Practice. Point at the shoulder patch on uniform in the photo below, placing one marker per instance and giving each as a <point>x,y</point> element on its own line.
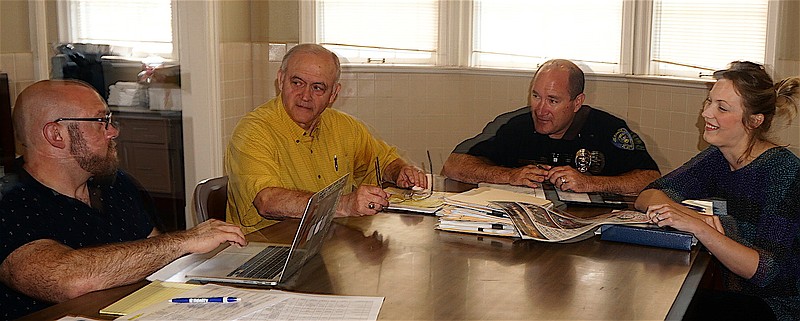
<point>625,139</point>
<point>628,140</point>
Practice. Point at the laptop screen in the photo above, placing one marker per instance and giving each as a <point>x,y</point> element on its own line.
<point>314,226</point>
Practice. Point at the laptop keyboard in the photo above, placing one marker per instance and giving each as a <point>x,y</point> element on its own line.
<point>267,264</point>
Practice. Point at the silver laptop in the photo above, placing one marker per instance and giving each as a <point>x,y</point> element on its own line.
<point>269,264</point>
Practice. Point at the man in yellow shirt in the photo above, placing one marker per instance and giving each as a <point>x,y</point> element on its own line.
<point>294,145</point>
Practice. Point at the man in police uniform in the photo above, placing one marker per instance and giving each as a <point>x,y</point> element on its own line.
<point>557,139</point>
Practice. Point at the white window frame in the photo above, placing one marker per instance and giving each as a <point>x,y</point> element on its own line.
<point>65,28</point>
<point>455,38</point>
<point>645,67</point>
<point>450,22</point>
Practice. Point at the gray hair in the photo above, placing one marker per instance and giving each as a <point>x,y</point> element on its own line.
<point>312,48</point>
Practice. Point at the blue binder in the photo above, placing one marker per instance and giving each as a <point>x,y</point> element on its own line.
<point>649,235</point>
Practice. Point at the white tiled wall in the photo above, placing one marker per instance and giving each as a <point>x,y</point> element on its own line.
<point>236,84</point>
<point>419,112</point>
<point>19,67</point>
<point>435,111</point>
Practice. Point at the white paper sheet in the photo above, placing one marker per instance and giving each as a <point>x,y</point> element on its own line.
<point>257,304</point>
<point>300,306</point>
<point>535,191</point>
<point>573,197</point>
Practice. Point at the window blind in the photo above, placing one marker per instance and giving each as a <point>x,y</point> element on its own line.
<point>692,37</point>
<point>379,31</point>
<point>143,25</point>
<point>522,33</point>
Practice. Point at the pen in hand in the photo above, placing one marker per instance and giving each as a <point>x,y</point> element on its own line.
<point>217,299</point>
<point>378,175</point>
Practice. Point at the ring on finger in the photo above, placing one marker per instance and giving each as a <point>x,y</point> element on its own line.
<point>563,180</point>
<point>371,205</point>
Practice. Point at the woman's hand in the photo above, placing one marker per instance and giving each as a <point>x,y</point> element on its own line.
<point>682,218</point>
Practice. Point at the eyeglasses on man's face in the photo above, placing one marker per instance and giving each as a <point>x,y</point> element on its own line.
<point>105,119</point>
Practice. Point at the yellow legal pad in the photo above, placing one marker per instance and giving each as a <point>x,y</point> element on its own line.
<point>154,292</point>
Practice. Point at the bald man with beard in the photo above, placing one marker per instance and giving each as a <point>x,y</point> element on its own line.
<point>64,231</point>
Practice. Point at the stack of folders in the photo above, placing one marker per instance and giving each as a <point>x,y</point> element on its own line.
<point>648,234</point>
<point>652,235</point>
<point>467,220</point>
<point>473,212</point>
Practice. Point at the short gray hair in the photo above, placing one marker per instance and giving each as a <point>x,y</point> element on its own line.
<point>312,48</point>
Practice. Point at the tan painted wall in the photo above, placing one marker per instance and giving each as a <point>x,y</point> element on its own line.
<point>442,109</point>
<point>15,36</point>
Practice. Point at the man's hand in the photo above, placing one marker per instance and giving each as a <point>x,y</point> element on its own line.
<point>567,178</point>
<point>366,200</point>
<point>208,235</point>
<point>410,176</point>
<point>529,175</point>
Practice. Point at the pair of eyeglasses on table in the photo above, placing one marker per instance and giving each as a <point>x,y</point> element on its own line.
<point>408,195</point>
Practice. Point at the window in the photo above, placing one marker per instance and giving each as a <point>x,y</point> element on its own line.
<point>142,27</point>
<point>731,30</point>
<point>648,37</point>
<point>522,34</point>
<point>379,31</point>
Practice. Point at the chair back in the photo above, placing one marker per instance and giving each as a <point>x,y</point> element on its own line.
<point>211,198</point>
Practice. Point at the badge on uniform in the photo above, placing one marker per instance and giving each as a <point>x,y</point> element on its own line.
<point>627,140</point>
<point>589,161</point>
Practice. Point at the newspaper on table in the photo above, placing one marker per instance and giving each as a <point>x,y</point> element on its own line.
<point>546,224</point>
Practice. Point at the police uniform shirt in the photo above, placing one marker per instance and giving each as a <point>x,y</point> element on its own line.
<point>511,140</point>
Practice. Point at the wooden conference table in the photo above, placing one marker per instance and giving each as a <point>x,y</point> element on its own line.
<point>426,274</point>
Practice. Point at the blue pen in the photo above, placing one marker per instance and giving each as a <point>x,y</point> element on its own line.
<point>217,299</point>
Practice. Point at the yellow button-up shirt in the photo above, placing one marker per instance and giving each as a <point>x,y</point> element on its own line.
<point>268,149</point>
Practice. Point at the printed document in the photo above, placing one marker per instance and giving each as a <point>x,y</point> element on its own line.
<point>258,304</point>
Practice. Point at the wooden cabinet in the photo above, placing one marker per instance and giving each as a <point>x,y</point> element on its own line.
<point>150,148</point>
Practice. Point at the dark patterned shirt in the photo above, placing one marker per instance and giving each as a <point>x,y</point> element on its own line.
<point>511,140</point>
<point>30,211</point>
<point>763,213</point>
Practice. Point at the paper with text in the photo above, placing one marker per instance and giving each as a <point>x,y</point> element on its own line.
<point>258,304</point>
<point>300,306</point>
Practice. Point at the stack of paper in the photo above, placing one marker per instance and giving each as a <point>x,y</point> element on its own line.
<point>481,198</point>
<point>473,211</point>
<point>466,220</point>
<point>702,207</point>
<point>127,94</point>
